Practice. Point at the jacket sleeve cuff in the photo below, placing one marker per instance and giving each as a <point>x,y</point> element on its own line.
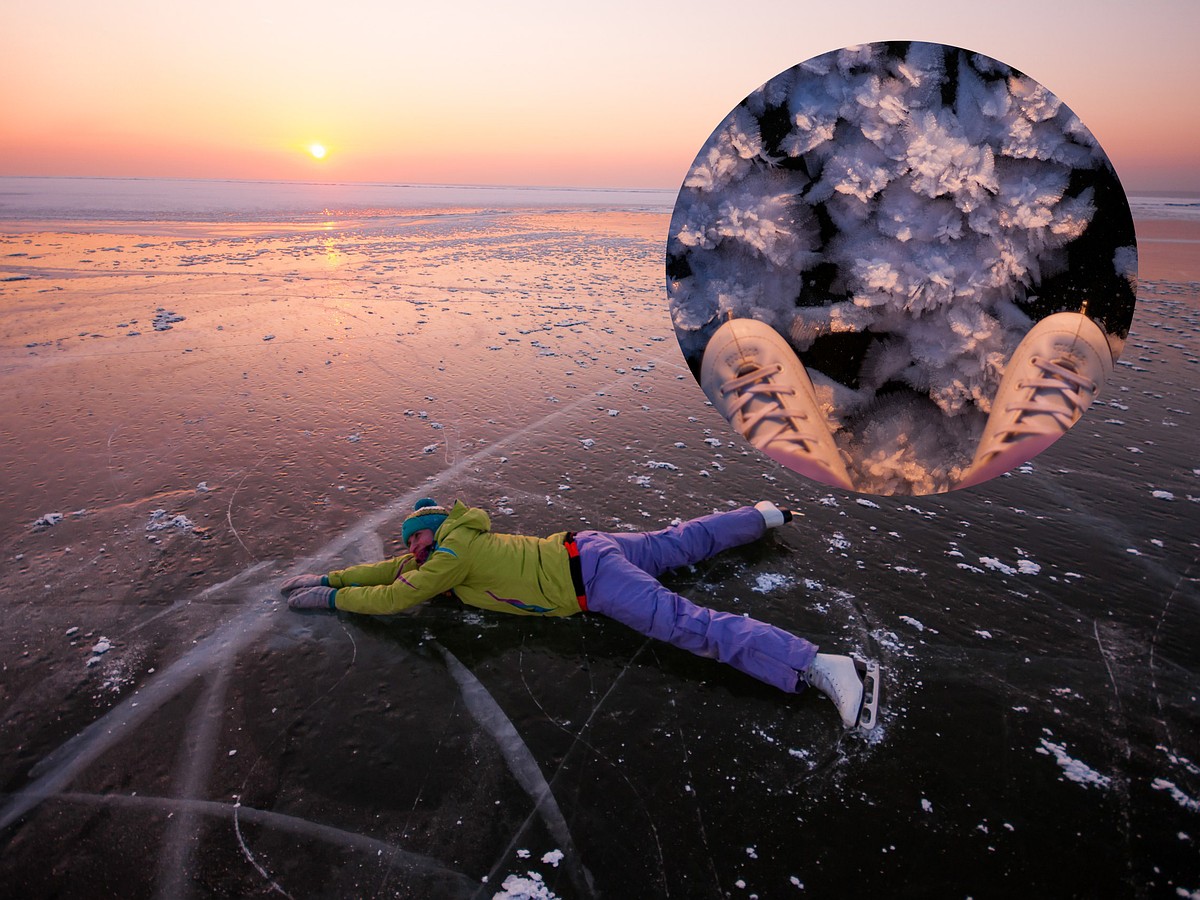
<point>325,581</point>
<point>333,599</point>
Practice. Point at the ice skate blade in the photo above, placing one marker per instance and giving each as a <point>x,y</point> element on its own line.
<point>868,712</point>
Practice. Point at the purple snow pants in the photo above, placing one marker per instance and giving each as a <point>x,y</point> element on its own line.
<point>620,577</point>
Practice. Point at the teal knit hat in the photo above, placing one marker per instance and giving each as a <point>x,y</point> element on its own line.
<point>426,514</point>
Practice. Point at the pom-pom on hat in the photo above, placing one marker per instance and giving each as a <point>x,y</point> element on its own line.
<point>426,514</point>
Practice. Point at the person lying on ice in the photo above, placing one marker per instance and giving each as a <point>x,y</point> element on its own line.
<point>611,574</point>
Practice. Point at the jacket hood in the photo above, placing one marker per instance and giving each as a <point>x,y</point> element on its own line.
<point>462,516</point>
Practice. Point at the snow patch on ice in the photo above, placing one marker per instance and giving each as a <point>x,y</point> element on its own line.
<point>889,640</point>
<point>837,541</point>
<point>1073,769</point>
<point>530,886</point>
<point>767,582</point>
<point>1188,803</point>
<point>1023,567</point>
<point>995,564</point>
<point>917,624</point>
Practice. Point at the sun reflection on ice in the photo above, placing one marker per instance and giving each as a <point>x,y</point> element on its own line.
<point>333,254</point>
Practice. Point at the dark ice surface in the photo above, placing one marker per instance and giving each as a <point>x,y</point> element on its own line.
<point>169,728</point>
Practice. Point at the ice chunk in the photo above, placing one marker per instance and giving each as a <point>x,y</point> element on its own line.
<point>164,319</point>
<point>160,520</point>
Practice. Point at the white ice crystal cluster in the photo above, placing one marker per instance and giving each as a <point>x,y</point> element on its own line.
<point>932,182</point>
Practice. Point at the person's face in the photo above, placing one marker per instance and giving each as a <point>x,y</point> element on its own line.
<point>419,545</point>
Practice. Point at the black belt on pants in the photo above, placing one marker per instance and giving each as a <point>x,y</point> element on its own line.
<point>576,569</point>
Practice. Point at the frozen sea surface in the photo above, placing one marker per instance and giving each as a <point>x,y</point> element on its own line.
<point>190,200</point>
<point>169,728</point>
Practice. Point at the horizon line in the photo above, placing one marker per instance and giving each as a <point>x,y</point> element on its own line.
<point>446,184</point>
<point>1133,191</point>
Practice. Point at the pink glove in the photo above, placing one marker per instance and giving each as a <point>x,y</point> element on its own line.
<point>301,581</point>
<point>313,598</point>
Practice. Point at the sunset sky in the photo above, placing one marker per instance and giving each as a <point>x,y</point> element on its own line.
<point>614,94</point>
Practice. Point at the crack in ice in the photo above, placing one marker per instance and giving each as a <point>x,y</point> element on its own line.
<point>521,762</point>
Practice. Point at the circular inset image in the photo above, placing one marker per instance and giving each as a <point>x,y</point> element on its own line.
<point>901,268</point>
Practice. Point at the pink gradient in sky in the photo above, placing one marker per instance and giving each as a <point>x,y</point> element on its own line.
<point>619,94</point>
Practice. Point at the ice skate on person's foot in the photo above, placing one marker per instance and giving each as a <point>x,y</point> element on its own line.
<point>1054,375</point>
<point>756,381</point>
<point>852,685</point>
<point>774,515</point>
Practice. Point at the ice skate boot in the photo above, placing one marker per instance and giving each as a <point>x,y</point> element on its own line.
<point>852,685</point>
<point>1054,375</point>
<point>774,515</point>
<point>756,381</point>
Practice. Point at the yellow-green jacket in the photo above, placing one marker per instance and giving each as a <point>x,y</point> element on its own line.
<point>505,572</point>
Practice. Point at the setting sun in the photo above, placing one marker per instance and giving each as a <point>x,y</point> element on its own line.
<point>317,150</point>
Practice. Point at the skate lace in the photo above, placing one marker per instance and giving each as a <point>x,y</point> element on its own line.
<point>818,679</point>
<point>755,384</point>
<point>1038,414</point>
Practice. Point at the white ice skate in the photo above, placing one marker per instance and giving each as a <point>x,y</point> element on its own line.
<point>756,381</point>
<point>774,515</point>
<point>852,685</point>
<point>1053,377</point>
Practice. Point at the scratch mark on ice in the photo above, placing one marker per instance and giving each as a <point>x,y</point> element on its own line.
<point>198,752</point>
<point>579,740</point>
<point>229,514</point>
<point>487,712</point>
<point>237,829</point>
<point>362,843</point>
